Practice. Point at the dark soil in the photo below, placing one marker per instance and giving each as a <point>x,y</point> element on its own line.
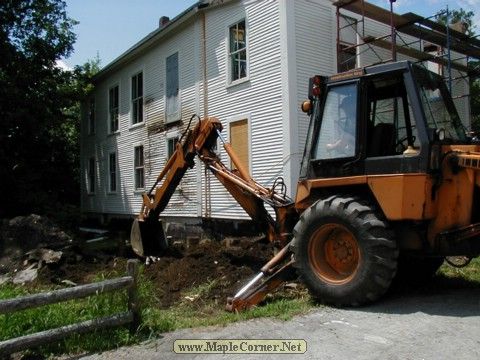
<point>226,265</point>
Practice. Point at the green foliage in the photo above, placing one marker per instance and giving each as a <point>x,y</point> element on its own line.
<point>39,111</point>
<point>475,103</point>
<point>445,17</point>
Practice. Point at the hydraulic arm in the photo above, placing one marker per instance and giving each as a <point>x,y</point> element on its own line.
<point>148,238</point>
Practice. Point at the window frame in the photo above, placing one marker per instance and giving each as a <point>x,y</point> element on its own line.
<point>329,145</point>
<point>172,114</point>
<point>170,143</point>
<point>91,175</point>
<point>231,80</point>
<point>136,99</point>
<point>350,63</point>
<point>237,119</point>
<point>348,45</point>
<point>139,168</point>
<point>112,173</point>
<point>114,109</point>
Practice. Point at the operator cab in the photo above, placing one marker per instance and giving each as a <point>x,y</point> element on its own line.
<point>362,118</point>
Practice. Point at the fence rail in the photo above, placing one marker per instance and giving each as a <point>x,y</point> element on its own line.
<point>132,316</point>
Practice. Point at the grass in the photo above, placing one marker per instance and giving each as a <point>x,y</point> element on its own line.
<point>465,276</point>
<point>193,311</point>
<point>62,314</point>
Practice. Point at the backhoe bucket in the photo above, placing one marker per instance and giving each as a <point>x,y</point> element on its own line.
<point>148,238</point>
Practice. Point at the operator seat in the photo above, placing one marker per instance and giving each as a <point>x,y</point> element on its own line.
<point>383,140</point>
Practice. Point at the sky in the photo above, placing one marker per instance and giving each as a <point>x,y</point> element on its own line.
<point>107,28</point>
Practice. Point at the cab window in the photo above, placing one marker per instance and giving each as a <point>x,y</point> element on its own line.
<point>391,128</point>
<point>337,132</point>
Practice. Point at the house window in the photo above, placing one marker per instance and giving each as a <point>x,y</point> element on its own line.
<point>137,98</point>
<point>239,141</point>
<point>238,51</point>
<point>112,166</point>
<point>347,47</point>
<point>139,168</point>
<point>172,105</point>
<point>171,146</point>
<point>113,108</point>
<point>347,58</point>
<point>91,176</point>
<point>91,116</point>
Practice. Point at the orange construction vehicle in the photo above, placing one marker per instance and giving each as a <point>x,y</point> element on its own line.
<point>389,186</point>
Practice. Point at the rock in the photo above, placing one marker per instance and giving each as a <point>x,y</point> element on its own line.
<point>24,233</point>
<point>5,279</point>
<point>47,256</point>
<point>27,275</point>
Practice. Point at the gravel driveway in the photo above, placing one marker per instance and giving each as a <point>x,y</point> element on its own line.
<point>444,324</point>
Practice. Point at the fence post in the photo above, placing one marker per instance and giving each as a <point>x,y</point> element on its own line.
<point>132,270</point>
<point>132,317</point>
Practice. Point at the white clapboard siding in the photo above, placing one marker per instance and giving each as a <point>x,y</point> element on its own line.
<point>258,99</point>
<point>288,42</point>
<point>315,51</point>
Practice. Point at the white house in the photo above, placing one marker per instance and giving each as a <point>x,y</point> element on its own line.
<point>245,62</point>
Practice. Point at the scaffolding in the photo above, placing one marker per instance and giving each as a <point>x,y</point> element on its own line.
<point>425,30</point>
<point>419,38</point>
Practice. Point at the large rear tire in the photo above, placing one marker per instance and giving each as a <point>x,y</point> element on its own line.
<point>344,252</point>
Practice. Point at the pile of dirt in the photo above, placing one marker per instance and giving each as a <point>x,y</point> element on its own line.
<point>58,259</point>
<point>224,266</point>
<point>25,233</point>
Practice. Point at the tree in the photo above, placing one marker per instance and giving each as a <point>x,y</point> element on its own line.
<point>456,16</point>
<point>34,94</point>
<point>475,99</point>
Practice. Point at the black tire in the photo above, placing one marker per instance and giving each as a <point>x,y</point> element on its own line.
<point>344,252</point>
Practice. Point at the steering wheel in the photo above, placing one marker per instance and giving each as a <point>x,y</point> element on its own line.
<point>400,143</point>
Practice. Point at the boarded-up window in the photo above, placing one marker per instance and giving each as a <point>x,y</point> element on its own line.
<point>172,106</point>
<point>239,141</point>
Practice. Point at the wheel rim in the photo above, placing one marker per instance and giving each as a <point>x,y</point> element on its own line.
<point>334,254</point>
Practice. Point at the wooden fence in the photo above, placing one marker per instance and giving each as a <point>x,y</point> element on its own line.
<point>131,317</point>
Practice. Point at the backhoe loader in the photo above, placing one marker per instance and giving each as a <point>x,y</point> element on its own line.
<point>388,186</point>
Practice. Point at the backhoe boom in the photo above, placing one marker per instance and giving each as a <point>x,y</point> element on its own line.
<point>148,238</point>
